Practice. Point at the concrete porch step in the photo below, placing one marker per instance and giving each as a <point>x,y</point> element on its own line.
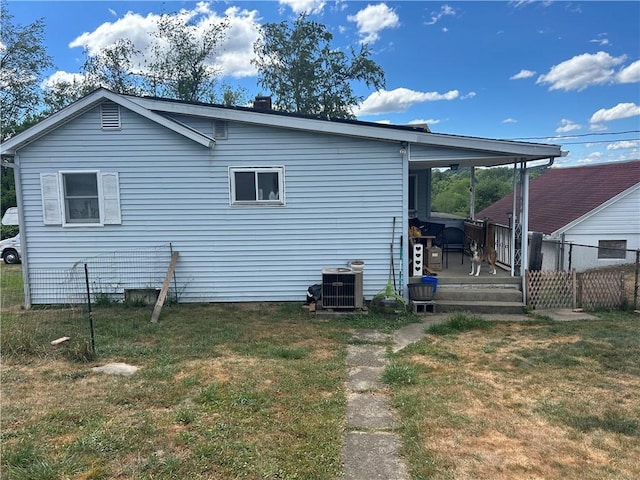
<point>475,294</point>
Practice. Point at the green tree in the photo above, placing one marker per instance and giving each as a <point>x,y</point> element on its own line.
<point>110,68</point>
<point>113,68</point>
<point>23,61</point>
<point>182,56</point>
<point>306,75</point>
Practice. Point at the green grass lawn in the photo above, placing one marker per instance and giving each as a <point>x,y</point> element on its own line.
<point>223,391</point>
<point>258,392</point>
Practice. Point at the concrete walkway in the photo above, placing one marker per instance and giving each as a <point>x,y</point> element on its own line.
<point>370,444</point>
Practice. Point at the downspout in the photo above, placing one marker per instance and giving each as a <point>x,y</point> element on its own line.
<point>15,166</point>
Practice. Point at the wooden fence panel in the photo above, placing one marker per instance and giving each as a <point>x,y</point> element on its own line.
<point>549,289</point>
<point>588,290</point>
<point>601,290</point>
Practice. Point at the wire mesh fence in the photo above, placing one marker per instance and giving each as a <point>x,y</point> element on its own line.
<point>61,300</point>
<point>110,277</point>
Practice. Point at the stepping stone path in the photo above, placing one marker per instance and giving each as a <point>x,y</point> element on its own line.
<point>370,445</point>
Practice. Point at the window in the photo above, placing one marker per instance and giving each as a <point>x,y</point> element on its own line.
<point>612,249</point>
<point>413,192</point>
<point>257,186</point>
<point>80,198</point>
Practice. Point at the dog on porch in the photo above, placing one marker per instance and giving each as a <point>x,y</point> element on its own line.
<point>481,254</point>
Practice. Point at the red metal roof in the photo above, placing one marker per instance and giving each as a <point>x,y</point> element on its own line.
<point>562,195</point>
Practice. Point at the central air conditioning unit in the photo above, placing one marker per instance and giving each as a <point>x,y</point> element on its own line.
<point>342,288</point>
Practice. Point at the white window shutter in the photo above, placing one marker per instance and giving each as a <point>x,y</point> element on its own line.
<point>111,198</point>
<point>51,207</point>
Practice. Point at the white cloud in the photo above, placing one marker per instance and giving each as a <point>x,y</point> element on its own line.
<point>509,120</point>
<point>598,127</point>
<point>235,51</point>
<point>420,121</point>
<point>468,95</point>
<point>594,157</point>
<point>372,19</point>
<point>62,77</point>
<point>522,74</point>
<point>623,145</point>
<point>305,6</point>
<point>445,11</point>
<point>629,74</point>
<point>582,71</point>
<point>601,40</point>
<point>622,110</point>
<point>399,100</point>
<point>568,126</point>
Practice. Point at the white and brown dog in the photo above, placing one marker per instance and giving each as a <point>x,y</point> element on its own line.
<point>479,255</point>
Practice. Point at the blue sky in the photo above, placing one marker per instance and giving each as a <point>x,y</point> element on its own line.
<point>548,71</point>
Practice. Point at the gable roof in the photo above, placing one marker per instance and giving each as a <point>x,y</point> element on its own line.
<point>462,150</point>
<point>88,102</point>
<point>561,196</point>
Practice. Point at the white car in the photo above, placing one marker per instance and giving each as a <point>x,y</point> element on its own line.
<point>10,250</point>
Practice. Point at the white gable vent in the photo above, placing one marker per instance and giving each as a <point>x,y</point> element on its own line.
<point>220,130</point>
<point>110,116</point>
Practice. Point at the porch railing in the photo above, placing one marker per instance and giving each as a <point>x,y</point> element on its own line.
<point>502,242</point>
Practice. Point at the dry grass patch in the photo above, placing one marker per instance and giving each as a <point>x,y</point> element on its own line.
<point>222,392</point>
<point>539,401</point>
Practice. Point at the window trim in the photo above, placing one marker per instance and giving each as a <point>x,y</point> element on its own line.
<point>280,170</point>
<point>63,199</point>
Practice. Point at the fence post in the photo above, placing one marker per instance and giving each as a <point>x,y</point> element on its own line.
<point>86,277</point>
<point>574,300</point>
<point>635,285</point>
<point>570,254</point>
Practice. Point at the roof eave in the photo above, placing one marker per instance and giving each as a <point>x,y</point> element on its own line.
<point>516,151</point>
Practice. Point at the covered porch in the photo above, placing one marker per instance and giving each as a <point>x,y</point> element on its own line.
<point>453,233</point>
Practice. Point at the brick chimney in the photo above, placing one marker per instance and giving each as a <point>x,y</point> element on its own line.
<point>262,103</point>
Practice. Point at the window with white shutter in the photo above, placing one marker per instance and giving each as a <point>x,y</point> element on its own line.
<point>82,198</point>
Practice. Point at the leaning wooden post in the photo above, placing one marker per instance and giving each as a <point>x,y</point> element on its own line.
<point>165,288</point>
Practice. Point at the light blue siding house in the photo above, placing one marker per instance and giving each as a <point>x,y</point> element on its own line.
<point>256,202</point>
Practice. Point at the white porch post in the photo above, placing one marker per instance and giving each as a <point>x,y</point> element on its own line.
<point>525,227</point>
<point>514,219</point>
<point>472,201</point>
<point>405,152</point>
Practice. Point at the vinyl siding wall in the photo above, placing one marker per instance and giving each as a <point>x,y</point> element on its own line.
<point>617,221</point>
<point>341,196</point>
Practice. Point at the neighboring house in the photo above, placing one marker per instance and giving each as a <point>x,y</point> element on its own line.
<point>256,202</point>
<point>594,206</point>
